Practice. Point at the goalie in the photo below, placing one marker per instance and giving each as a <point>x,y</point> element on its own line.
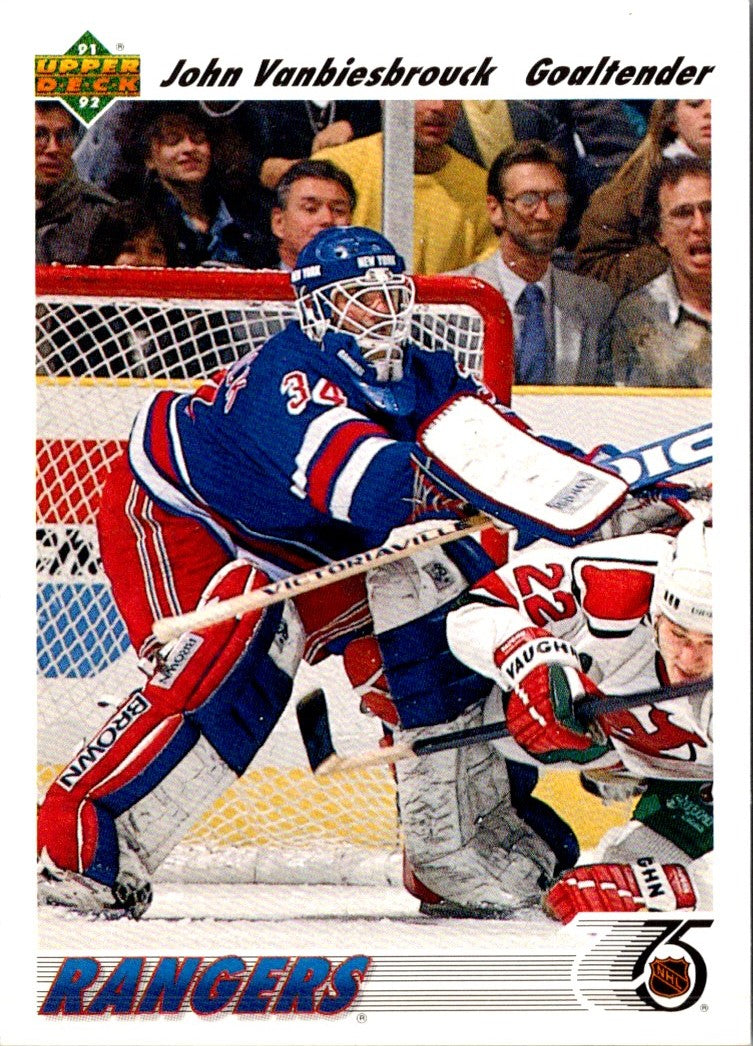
<point>302,453</point>
<point>624,614</point>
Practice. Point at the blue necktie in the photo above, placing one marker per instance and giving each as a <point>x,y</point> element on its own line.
<point>531,357</point>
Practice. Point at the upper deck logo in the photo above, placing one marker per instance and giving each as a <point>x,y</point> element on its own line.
<point>87,77</point>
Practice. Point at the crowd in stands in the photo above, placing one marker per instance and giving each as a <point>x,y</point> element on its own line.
<point>592,218</point>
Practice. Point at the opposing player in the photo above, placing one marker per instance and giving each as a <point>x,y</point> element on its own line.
<point>303,452</point>
<point>623,616</point>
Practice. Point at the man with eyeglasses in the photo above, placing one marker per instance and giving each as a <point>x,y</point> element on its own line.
<point>662,331</point>
<point>561,321</point>
<point>69,209</point>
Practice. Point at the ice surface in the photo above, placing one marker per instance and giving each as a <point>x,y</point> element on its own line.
<point>217,919</point>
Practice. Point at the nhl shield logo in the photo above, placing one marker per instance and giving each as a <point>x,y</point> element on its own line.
<point>669,977</point>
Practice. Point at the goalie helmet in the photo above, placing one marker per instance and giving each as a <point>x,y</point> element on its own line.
<point>352,280</point>
<point>682,589</point>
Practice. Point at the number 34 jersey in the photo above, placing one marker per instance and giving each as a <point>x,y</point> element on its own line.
<point>597,597</point>
<point>289,456</point>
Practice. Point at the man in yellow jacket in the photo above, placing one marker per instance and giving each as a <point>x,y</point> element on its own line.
<point>451,228</point>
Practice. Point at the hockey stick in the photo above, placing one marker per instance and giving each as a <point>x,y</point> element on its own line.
<point>646,465</point>
<point>663,458</point>
<point>295,584</point>
<point>313,721</point>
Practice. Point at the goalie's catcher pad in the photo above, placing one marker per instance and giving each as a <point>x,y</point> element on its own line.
<point>474,453</point>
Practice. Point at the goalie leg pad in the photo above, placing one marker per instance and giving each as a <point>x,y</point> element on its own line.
<point>150,829</point>
<point>407,589</point>
<point>227,687</point>
<point>128,896</point>
<point>409,602</point>
<point>463,838</point>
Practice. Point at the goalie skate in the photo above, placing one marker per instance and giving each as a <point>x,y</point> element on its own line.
<point>130,896</point>
<point>452,910</point>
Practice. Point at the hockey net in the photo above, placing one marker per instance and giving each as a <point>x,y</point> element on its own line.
<point>105,339</point>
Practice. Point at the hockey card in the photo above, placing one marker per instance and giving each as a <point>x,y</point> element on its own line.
<point>282,346</point>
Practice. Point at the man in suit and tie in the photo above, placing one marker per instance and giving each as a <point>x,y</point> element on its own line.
<point>561,320</point>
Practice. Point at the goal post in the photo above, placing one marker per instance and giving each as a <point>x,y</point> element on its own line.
<point>105,339</point>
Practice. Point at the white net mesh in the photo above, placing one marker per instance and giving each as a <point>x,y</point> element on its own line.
<point>134,338</point>
<point>98,356</point>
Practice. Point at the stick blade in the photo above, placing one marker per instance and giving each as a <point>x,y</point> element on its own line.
<point>313,722</point>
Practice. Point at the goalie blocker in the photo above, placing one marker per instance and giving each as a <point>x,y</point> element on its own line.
<point>474,452</point>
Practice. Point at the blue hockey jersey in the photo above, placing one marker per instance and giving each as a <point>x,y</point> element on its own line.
<point>289,457</point>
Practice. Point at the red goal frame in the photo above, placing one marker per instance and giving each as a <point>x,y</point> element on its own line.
<point>260,285</point>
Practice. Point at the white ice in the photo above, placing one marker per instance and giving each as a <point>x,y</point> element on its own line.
<point>217,919</point>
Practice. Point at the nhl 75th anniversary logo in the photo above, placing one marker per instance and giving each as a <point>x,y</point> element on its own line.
<point>638,963</point>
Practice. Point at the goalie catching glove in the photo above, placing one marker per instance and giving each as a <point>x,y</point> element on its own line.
<point>643,886</point>
<point>544,680</point>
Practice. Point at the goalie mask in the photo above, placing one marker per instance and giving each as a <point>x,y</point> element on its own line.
<point>351,280</point>
<point>682,589</point>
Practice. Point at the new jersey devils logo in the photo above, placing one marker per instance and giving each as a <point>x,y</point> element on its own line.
<point>661,737</point>
<point>669,977</point>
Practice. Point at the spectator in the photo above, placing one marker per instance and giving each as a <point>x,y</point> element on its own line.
<point>291,131</point>
<point>561,321</point>
<point>68,208</point>
<point>128,235</point>
<point>194,220</point>
<point>105,340</point>
<point>112,152</point>
<point>613,245</point>
<point>692,126</point>
<point>245,137</point>
<point>663,330</point>
<point>595,136</point>
<point>450,225</point>
<point>312,195</point>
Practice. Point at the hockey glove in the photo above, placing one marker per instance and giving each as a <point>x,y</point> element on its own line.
<point>546,682</point>
<point>661,506</point>
<point>644,886</point>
